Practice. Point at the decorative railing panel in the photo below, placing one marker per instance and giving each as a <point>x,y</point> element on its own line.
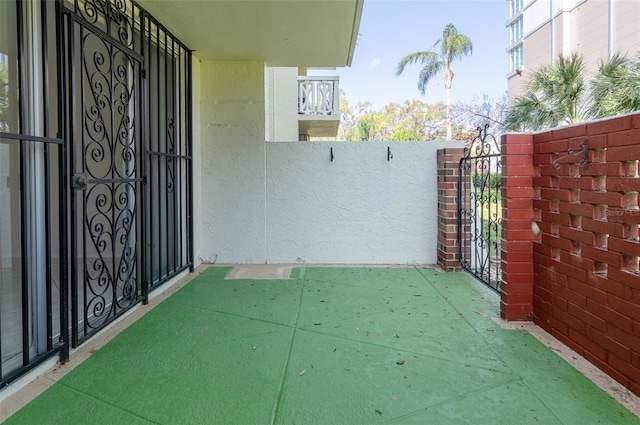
<point>318,96</point>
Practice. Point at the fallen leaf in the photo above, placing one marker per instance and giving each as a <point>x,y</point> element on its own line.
<point>302,372</point>
<point>479,313</point>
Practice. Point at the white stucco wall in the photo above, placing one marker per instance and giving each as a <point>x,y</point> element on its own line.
<point>286,202</point>
<point>281,104</point>
<point>233,162</point>
<point>359,209</point>
<point>197,159</point>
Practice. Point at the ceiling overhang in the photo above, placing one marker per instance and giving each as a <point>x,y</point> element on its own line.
<point>311,33</point>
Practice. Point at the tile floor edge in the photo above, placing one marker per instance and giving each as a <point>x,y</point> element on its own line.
<point>612,387</point>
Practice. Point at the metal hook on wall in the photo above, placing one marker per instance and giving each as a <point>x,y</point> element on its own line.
<point>389,154</point>
<point>331,151</point>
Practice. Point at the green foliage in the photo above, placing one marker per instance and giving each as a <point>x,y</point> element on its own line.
<point>616,89</point>
<point>404,135</point>
<point>453,45</point>
<point>563,94</point>
<point>364,129</point>
<point>556,94</point>
<point>483,181</point>
<point>414,120</point>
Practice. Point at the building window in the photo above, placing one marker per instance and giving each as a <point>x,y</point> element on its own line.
<point>515,7</point>
<point>515,31</point>
<point>515,58</point>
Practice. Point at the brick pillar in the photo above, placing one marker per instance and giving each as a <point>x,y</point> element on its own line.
<point>516,298</point>
<point>448,171</point>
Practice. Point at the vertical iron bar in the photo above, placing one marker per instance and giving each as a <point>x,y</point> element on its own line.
<point>190,154</point>
<point>175,159</point>
<point>159,137</point>
<point>180,120</point>
<point>72,133</point>
<point>113,174</point>
<point>150,186</point>
<point>167,159</point>
<point>144,148</point>
<point>24,190</point>
<point>83,161</point>
<point>62,185</point>
<point>47,171</point>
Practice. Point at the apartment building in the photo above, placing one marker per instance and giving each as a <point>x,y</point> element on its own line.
<point>540,30</point>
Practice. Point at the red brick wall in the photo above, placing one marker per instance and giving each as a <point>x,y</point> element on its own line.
<point>516,297</point>
<point>586,285</point>
<point>448,171</point>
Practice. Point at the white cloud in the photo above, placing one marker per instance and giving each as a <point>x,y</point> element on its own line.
<point>375,62</point>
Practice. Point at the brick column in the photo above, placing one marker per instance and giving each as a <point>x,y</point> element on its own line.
<point>448,171</point>
<point>516,298</point>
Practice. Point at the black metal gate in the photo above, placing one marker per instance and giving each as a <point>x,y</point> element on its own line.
<point>95,170</point>
<point>104,72</point>
<point>480,209</point>
<point>128,121</point>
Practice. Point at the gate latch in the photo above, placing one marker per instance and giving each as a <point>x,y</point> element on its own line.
<point>79,181</point>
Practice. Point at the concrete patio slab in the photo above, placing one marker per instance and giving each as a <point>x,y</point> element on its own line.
<point>327,346</point>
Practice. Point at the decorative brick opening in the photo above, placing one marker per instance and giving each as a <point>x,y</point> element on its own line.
<point>576,273</point>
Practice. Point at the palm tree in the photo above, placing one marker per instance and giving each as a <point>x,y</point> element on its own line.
<point>616,88</point>
<point>453,45</point>
<point>556,94</point>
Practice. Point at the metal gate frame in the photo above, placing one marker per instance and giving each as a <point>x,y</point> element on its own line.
<point>141,152</point>
<point>167,196</point>
<point>480,209</point>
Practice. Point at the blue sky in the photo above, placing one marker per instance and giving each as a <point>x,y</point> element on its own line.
<point>390,29</point>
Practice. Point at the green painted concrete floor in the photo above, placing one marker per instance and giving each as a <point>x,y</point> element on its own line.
<point>328,346</point>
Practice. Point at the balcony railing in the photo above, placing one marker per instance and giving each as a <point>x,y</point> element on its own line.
<point>318,96</point>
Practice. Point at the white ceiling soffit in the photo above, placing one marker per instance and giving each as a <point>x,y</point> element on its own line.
<point>312,33</point>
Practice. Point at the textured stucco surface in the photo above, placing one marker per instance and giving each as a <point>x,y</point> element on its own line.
<point>232,154</point>
<point>286,202</point>
<point>197,159</point>
<point>281,104</point>
<point>360,208</point>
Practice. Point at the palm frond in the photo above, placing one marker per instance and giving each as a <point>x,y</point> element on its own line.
<point>416,57</point>
<point>427,73</point>
<point>616,87</point>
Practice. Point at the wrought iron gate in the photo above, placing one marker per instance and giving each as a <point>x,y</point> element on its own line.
<point>128,122</point>
<point>95,170</point>
<point>104,72</point>
<point>480,209</point>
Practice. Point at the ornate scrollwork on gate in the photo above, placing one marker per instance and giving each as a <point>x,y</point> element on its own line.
<point>114,17</point>
<point>480,208</point>
<point>110,163</point>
